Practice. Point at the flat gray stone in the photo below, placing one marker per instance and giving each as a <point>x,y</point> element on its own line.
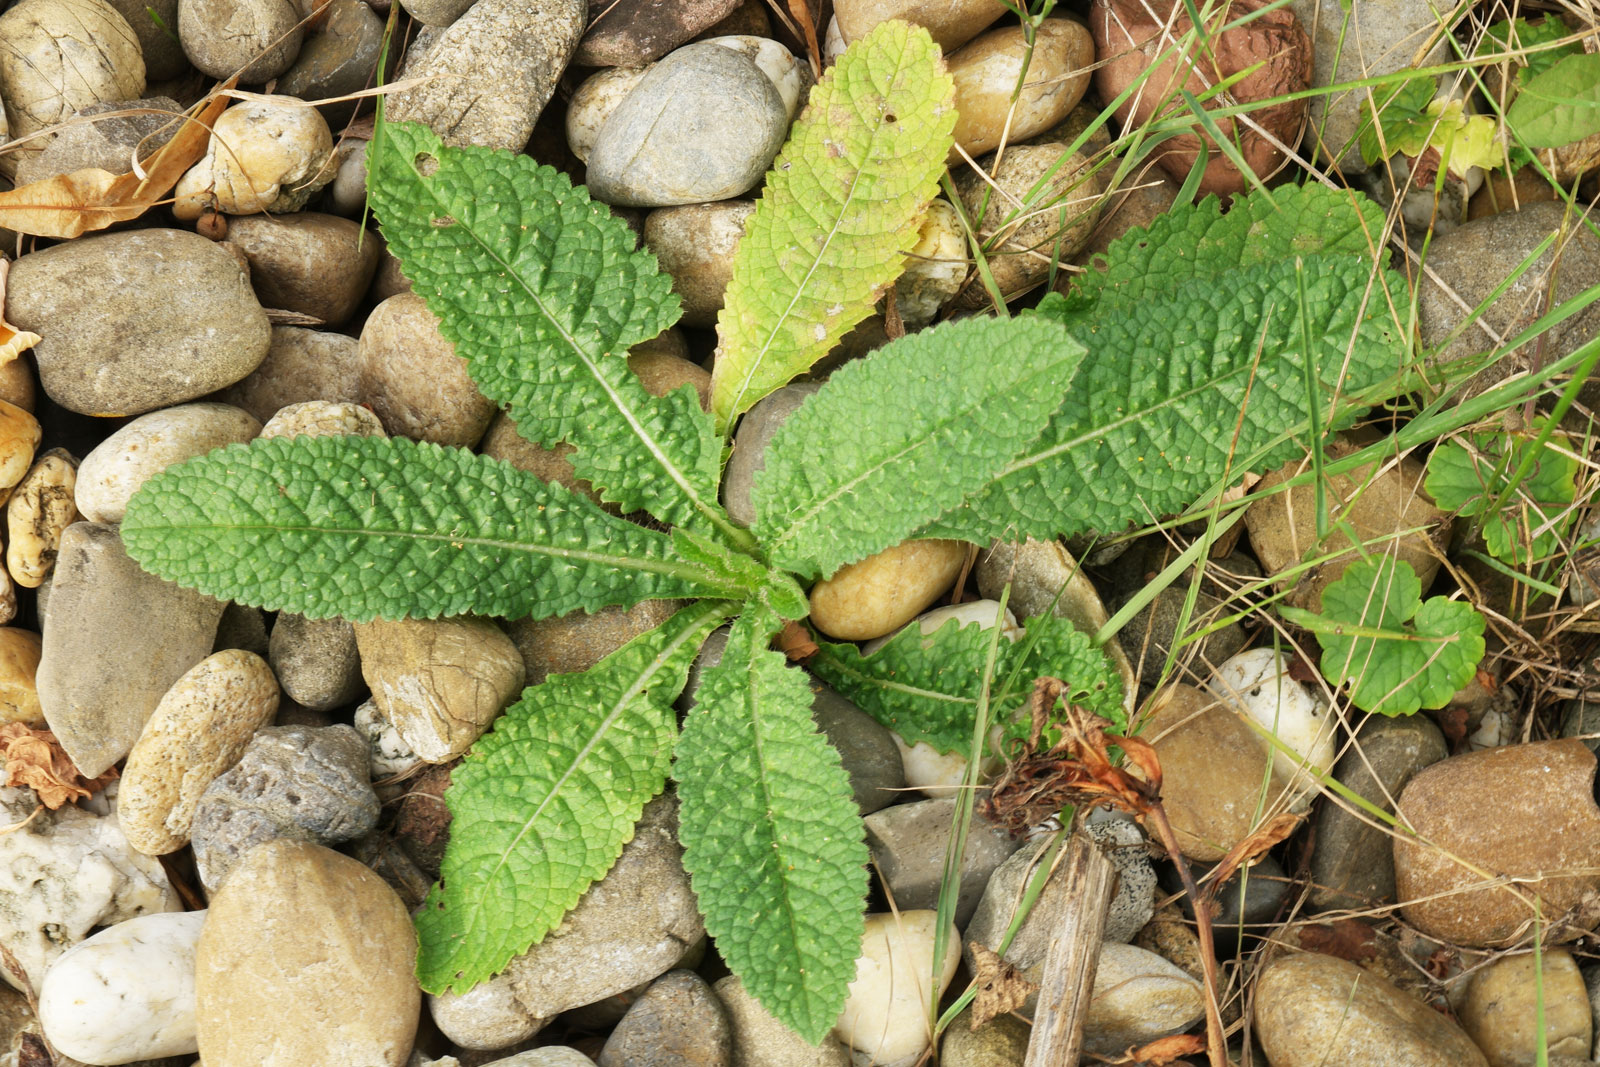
<point>679,1022</point>
<point>704,124</point>
<point>316,661</point>
<point>1352,865</point>
<point>115,640</point>
<point>750,446</point>
<point>138,320</point>
<point>908,844</point>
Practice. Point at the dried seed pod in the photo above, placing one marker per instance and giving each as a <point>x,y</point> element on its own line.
<point>39,510</point>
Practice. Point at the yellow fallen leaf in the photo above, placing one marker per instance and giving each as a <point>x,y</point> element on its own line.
<point>13,342</point>
<point>70,205</point>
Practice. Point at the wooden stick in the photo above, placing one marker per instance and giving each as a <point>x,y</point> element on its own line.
<point>1072,956</point>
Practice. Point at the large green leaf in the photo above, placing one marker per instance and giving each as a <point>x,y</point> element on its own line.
<point>1560,105</point>
<point>361,527</point>
<point>1398,653</point>
<point>542,805</point>
<point>771,836</point>
<point>542,292</point>
<point>1196,377</point>
<point>840,210</point>
<point>893,441</point>
<point>925,687</point>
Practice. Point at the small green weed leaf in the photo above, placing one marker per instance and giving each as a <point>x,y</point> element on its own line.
<point>925,687</point>
<point>542,292</point>
<point>840,210</point>
<point>1559,106</point>
<point>361,527</point>
<point>893,441</point>
<point>1476,482</point>
<point>1532,44</point>
<point>542,805</point>
<point>1397,653</point>
<point>771,836</point>
<point>1194,382</point>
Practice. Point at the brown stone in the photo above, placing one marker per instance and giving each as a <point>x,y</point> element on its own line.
<point>629,33</point>
<point>314,264</point>
<point>571,643</point>
<point>952,23</point>
<point>306,957</point>
<point>1524,812</point>
<point>1212,767</point>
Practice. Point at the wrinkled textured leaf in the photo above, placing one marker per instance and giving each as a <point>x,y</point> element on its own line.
<point>542,805</point>
<point>929,421</point>
<point>771,836</point>
<point>360,527</point>
<point>1183,350</point>
<point>840,210</point>
<point>1412,655</point>
<point>1470,481</point>
<point>542,292</point>
<point>925,687</point>
<point>1559,106</point>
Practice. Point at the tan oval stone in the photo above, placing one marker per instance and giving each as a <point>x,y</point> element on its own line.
<point>1501,1003</point>
<point>1212,768</point>
<point>1030,230</point>
<point>197,732</point>
<point>1523,811</point>
<point>38,513</point>
<point>19,662</point>
<point>986,72</point>
<point>19,436</point>
<point>1315,1011</point>
<point>270,153</point>
<point>695,245</point>
<point>883,592</point>
<point>1283,526</point>
<point>306,958</point>
<point>951,23</point>
<point>441,682</point>
<point>661,372</point>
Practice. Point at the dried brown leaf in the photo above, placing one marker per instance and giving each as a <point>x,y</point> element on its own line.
<point>13,342</point>
<point>70,205</point>
<point>795,642</point>
<point>1348,939</point>
<point>1167,1050</point>
<point>1265,836</point>
<point>35,758</point>
<point>1001,987</point>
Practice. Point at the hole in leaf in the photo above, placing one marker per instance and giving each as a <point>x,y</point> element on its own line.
<point>426,163</point>
<point>889,116</point>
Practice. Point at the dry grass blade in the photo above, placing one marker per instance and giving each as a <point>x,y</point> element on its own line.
<point>70,205</point>
<point>1001,987</point>
<point>808,26</point>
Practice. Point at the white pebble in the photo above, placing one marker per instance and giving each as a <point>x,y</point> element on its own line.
<point>1258,684</point>
<point>886,1011</point>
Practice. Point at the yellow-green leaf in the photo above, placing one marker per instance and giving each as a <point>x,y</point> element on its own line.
<point>841,208</point>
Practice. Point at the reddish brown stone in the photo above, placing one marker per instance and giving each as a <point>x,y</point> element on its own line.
<point>1524,812</point>
<point>630,33</point>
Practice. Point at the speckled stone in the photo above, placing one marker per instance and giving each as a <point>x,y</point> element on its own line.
<point>679,1022</point>
<point>296,782</point>
<point>492,71</point>
<point>198,731</point>
<point>1524,811</point>
<point>316,660</point>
